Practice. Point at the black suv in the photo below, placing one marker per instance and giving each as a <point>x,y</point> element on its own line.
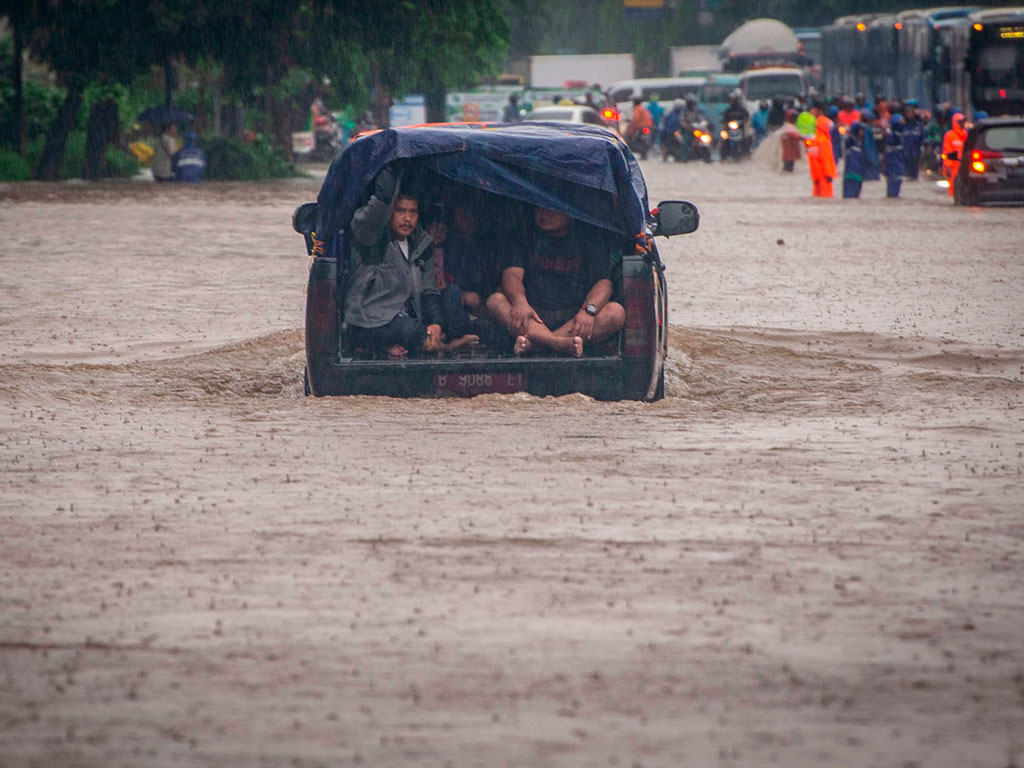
<point>992,162</point>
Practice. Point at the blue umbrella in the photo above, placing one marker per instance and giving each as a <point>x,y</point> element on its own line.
<point>164,115</point>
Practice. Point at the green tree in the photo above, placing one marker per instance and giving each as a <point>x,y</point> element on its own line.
<point>85,41</point>
<point>20,14</point>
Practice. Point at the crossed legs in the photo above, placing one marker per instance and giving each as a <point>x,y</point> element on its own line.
<point>562,340</point>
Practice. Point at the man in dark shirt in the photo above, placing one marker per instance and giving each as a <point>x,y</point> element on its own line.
<point>556,291</point>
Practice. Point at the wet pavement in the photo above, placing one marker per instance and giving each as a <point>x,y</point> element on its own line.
<point>810,552</point>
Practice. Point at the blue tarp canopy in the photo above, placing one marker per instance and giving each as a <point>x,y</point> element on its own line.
<point>581,170</point>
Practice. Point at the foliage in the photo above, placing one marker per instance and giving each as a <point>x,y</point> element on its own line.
<point>13,167</point>
<point>77,38</point>
<point>117,163</point>
<point>270,56</point>
<point>41,104</point>
<point>74,156</point>
<point>233,160</point>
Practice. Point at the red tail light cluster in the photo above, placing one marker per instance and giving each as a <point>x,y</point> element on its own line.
<point>610,115</point>
<point>639,330</point>
<point>978,158</point>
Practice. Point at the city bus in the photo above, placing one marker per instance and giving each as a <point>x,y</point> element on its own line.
<point>995,60</point>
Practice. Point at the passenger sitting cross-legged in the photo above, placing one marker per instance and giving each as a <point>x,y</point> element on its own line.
<point>392,302</point>
<point>556,291</point>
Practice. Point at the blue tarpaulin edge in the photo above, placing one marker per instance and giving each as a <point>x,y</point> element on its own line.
<point>582,170</point>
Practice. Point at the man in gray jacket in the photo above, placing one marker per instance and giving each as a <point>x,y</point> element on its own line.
<point>392,301</point>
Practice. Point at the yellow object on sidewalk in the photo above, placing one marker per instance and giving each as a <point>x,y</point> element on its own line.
<point>143,152</point>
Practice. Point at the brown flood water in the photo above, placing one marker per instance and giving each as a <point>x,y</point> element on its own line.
<point>810,553</point>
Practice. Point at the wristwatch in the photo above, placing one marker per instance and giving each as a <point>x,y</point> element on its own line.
<point>591,309</point>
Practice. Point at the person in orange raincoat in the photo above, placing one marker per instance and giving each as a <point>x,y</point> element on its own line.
<point>953,141</point>
<point>820,160</point>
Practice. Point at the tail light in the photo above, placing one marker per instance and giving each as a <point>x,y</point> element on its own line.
<point>733,125</point>
<point>647,130</point>
<point>724,134</point>
<point>638,335</point>
<point>978,158</point>
<point>610,115</point>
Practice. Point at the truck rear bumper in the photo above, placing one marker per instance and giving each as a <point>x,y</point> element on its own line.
<point>599,377</point>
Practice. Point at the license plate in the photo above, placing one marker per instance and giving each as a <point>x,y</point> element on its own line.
<point>470,384</point>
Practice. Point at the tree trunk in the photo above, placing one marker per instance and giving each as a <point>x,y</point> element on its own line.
<point>18,103</point>
<point>281,127</point>
<point>101,129</point>
<point>170,83</point>
<point>57,135</point>
<point>200,124</point>
<point>218,126</point>
<point>380,98</point>
<point>436,102</point>
<point>278,128</point>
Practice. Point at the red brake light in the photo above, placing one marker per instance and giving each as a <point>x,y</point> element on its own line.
<point>639,333</point>
<point>1002,93</point>
<point>647,130</point>
<point>610,114</point>
<point>983,154</point>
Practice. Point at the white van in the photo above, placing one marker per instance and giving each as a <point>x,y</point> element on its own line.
<point>667,90</point>
<point>758,85</point>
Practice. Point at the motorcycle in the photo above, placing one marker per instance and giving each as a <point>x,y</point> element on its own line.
<point>640,142</point>
<point>733,142</point>
<point>326,139</point>
<point>671,146</point>
<point>700,144</point>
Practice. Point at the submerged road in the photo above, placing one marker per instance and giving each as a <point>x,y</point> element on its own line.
<point>810,553</point>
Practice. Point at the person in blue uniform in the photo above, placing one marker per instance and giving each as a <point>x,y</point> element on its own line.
<point>894,165</point>
<point>189,161</point>
<point>913,138</point>
<point>872,143</point>
<point>853,168</point>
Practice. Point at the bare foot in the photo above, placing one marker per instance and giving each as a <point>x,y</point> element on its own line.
<point>463,341</point>
<point>577,346</point>
<point>522,345</point>
<point>397,352</point>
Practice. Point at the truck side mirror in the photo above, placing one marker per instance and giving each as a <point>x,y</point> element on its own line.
<point>675,217</point>
<point>304,222</point>
<point>304,218</point>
